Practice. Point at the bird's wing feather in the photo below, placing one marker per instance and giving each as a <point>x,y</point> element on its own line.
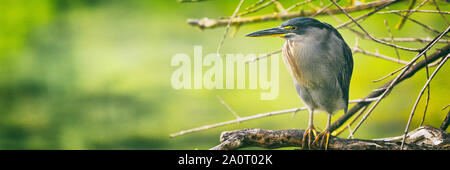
<point>346,74</point>
<point>345,67</point>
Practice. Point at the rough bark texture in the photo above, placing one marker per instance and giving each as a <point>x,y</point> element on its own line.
<point>423,138</point>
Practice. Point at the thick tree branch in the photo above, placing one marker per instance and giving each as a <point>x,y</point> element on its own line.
<point>423,138</point>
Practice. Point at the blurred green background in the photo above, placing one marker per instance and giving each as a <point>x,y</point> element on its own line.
<point>95,74</point>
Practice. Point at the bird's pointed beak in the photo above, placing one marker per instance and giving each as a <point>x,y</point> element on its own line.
<point>271,32</point>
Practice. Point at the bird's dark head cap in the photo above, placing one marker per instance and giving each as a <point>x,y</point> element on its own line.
<point>300,24</point>
<point>297,26</point>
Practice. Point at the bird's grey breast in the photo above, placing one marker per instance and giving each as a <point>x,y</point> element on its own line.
<point>314,59</point>
<point>311,55</point>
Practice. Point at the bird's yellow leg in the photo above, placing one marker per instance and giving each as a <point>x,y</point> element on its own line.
<point>324,136</point>
<point>309,132</point>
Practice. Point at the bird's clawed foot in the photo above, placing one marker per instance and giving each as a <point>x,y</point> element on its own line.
<point>308,134</point>
<point>324,139</point>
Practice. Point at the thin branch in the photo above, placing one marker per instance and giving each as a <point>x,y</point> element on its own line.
<point>418,98</point>
<point>228,107</point>
<point>423,40</point>
<point>390,74</point>
<point>421,24</point>
<point>211,23</point>
<point>355,50</point>
<point>298,4</point>
<point>320,11</point>
<point>445,107</point>
<point>370,36</point>
<point>402,21</point>
<point>350,131</point>
<point>408,14</point>
<point>440,12</point>
<point>228,27</point>
<point>358,50</point>
<point>401,68</point>
<point>428,91</point>
<point>254,5</point>
<point>353,120</point>
<point>391,37</point>
<point>365,15</point>
<point>280,7</point>
<point>261,115</point>
<point>422,11</point>
<point>262,56</point>
<point>255,9</point>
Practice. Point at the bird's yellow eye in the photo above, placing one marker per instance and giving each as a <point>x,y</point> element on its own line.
<point>290,27</point>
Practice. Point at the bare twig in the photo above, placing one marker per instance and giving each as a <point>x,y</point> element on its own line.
<point>401,68</point>
<point>358,50</point>
<point>409,13</point>
<point>440,12</point>
<point>370,36</point>
<point>356,118</point>
<point>261,115</point>
<point>262,56</point>
<point>390,74</point>
<point>229,108</point>
<point>418,98</point>
<point>228,27</point>
<point>366,15</point>
<point>445,107</point>
<point>298,4</point>
<point>211,23</point>
<point>423,40</point>
<point>255,9</point>
<point>428,91</point>
<point>421,24</point>
<point>350,131</point>
<point>254,5</point>
<point>402,21</point>
<point>392,38</point>
<point>320,11</point>
<point>422,11</point>
<point>280,7</point>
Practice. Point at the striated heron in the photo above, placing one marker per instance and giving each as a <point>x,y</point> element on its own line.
<point>321,65</point>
